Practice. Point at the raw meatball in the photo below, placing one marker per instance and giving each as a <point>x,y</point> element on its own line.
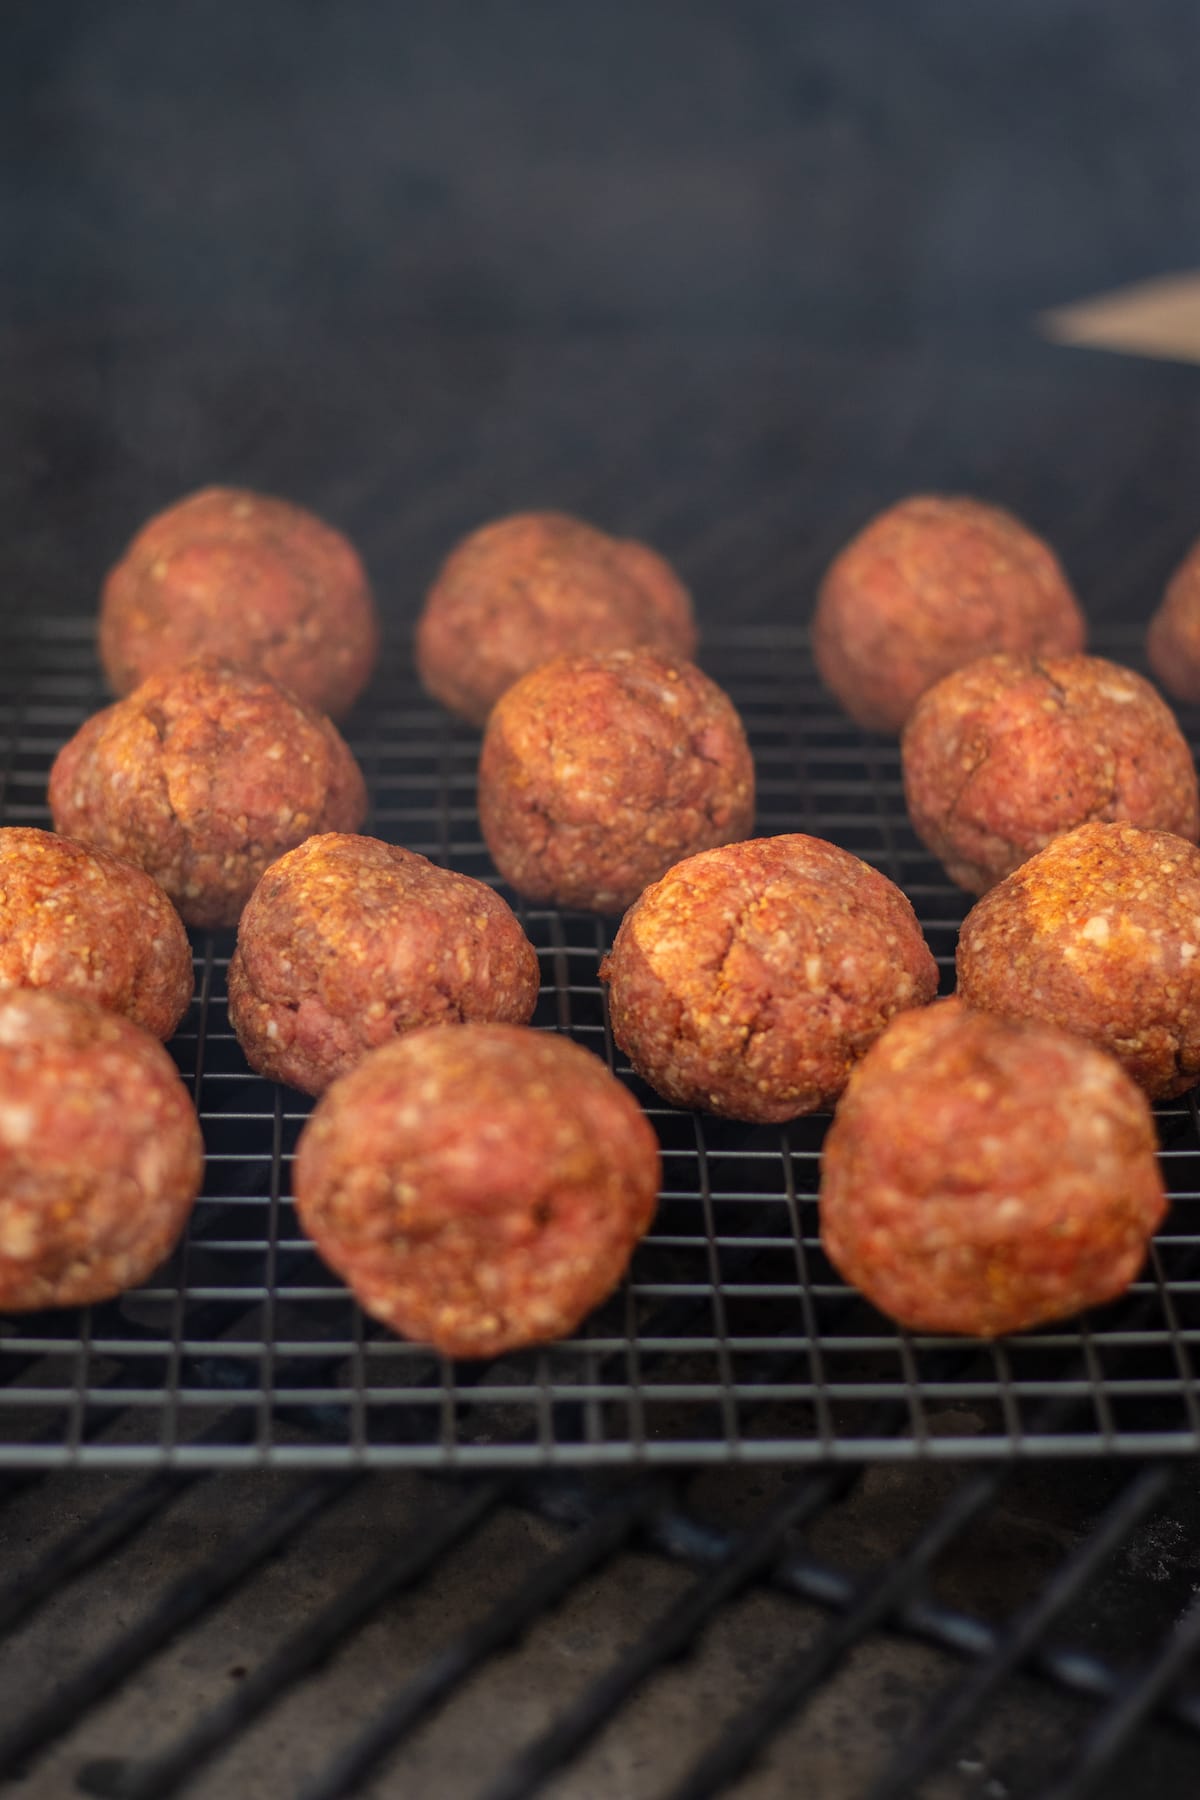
<point>230,574</point>
<point>203,776</point>
<point>929,585</point>
<point>482,1187</point>
<point>751,978</point>
<point>100,1152</point>
<point>983,1176</point>
<point>539,585</point>
<point>1099,933</point>
<point>1173,640</point>
<point>599,772</point>
<point>1011,751</point>
<point>347,942</point>
<point>75,918</point>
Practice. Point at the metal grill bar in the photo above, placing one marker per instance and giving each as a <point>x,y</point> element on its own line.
<point>1116,1728</point>
<point>183,1603</point>
<point>607,1532</point>
<point>666,1639</point>
<point>951,1714</point>
<point>746,1738</point>
<point>165,1773</point>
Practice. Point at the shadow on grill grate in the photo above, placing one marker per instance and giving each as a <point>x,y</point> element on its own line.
<point>733,1340</point>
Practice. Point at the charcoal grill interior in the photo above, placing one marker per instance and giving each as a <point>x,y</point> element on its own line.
<point>730,279</point>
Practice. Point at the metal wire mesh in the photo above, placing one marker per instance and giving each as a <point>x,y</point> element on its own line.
<point>733,1338</point>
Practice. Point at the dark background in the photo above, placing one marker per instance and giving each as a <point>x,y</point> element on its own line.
<point>731,275</point>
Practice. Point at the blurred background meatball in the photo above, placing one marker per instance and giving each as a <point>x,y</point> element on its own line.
<point>599,772</point>
<point>750,979</point>
<point>928,585</point>
<point>1098,933</point>
<point>203,776</point>
<point>1173,640</point>
<point>100,1152</point>
<point>347,942</point>
<point>76,919</point>
<point>481,1187</point>
<point>1010,751</point>
<point>248,579</point>
<point>537,585</point>
<point>982,1176</point>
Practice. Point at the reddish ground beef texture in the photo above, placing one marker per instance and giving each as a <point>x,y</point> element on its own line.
<point>599,772</point>
<point>100,1152</point>
<point>524,589</point>
<point>203,776</point>
<point>78,920</point>
<point>983,1176</point>
<point>1011,751</point>
<point>927,586</point>
<point>480,1187</point>
<point>247,579</point>
<point>751,978</point>
<point>347,942</point>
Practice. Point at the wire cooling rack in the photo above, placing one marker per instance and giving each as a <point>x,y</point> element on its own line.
<point>733,1338</point>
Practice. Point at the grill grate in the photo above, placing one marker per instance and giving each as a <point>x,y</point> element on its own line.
<point>733,1339</point>
<point>1083,1708</point>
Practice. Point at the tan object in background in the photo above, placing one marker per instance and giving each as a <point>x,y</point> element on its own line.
<point>1152,318</point>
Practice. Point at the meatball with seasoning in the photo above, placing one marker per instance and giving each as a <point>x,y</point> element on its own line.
<point>599,772</point>
<point>1173,640</point>
<point>537,585</point>
<point>930,585</point>
<point>202,777</point>
<point>1011,751</point>
<point>481,1187</point>
<point>751,978</point>
<point>982,1176</point>
<point>1098,933</point>
<point>248,579</point>
<point>78,920</point>
<point>100,1152</point>
<point>347,942</point>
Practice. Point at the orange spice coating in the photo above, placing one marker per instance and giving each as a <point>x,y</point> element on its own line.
<point>249,579</point>
<point>1011,751</point>
<point>1098,933</point>
<point>1173,639</point>
<point>928,585</point>
<point>983,1176</point>
<point>536,585</point>
<point>751,978</point>
<point>599,772</point>
<point>347,942</point>
<point>202,777</point>
<point>481,1187</point>
<point>100,1152</point>
<point>75,919</point>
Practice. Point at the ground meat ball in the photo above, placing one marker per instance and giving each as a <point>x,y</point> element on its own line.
<point>347,942</point>
<point>481,1188</point>
<point>1011,751</point>
<point>751,978</point>
<point>1099,933</point>
<point>983,1176</point>
<point>1173,641</point>
<point>256,581</point>
<point>930,585</point>
<point>100,1152</point>
<point>599,772</point>
<point>75,918</point>
<point>539,585</point>
<point>203,776</point>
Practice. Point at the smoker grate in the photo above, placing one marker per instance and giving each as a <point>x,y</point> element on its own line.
<point>733,1340</point>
